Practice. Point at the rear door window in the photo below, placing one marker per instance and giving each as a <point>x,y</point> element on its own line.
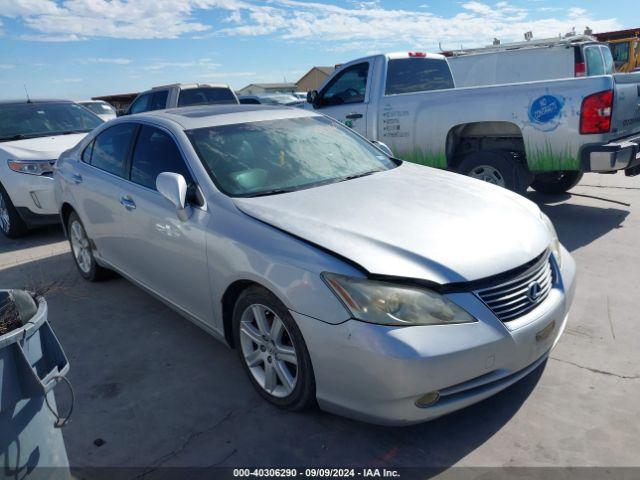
<point>595,62</point>
<point>407,75</point>
<point>158,100</point>
<point>111,147</point>
<point>206,96</point>
<point>156,152</point>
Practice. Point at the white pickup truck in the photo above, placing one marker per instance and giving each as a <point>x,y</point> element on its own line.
<point>543,133</point>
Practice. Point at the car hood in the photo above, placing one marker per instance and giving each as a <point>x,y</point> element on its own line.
<point>412,221</point>
<point>41,148</point>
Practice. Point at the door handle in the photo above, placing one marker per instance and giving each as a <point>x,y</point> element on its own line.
<point>77,178</point>
<point>353,116</point>
<point>128,203</point>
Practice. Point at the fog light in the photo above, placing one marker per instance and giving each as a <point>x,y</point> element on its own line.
<point>428,399</point>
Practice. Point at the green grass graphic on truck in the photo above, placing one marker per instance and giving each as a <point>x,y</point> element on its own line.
<point>417,155</point>
<point>546,159</point>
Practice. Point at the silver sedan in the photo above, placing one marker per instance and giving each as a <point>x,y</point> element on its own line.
<point>382,290</point>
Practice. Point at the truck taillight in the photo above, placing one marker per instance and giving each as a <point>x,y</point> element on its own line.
<point>580,69</point>
<point>417,54</point>
<point>595,114</point>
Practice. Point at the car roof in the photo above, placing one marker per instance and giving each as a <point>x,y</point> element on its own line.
<point>26,102</point>
<point>216,115</point>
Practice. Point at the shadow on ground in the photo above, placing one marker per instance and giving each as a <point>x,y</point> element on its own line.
<point>580,225</point>
<point>153,390</point>
<point>35,238</point>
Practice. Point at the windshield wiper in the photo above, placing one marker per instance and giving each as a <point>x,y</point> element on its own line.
<point>18,136</point>
<point>275,191</point>
<point>358,175</point>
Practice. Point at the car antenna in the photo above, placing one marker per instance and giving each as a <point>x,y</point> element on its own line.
<point>25,91</point>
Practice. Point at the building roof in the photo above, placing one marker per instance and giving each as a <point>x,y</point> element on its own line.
<point>115,96</point>
<point>326,70</point>
<point>617,34</point>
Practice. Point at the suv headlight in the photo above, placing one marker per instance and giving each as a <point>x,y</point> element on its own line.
<point>389,304</point>
<point>32,167</point>
<point>555,243</point>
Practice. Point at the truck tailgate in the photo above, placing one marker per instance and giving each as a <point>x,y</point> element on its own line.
<point>626,106</point>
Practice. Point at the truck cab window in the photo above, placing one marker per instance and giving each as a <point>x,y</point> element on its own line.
<point>408,75</point>
<point>349,86</point>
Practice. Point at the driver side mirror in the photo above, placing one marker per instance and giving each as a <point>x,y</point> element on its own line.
<point>313,98</point>
<point>383,146</point>
<point>173,187</point>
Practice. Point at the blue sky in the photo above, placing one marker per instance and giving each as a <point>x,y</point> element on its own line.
<point>81,48</point>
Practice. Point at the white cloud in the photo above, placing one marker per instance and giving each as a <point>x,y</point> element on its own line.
<point>223,75</point>
<point>6,66</point>
<point>339,27</point>
<point>162,65</point>
<point>114,61</point>
<point>67,80</point>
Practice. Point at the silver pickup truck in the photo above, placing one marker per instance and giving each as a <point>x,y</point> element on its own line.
<point>543,134</point>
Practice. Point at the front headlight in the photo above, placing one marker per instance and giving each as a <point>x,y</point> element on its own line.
<point>32,167</point>
<point>389,304</point>
<point>555,243</point>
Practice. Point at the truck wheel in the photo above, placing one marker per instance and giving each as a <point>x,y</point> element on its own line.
<point>556,182</point>
<point>498,168</point>
<point>10,222</point>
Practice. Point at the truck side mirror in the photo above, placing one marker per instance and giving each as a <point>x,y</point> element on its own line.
<point>313,97</point>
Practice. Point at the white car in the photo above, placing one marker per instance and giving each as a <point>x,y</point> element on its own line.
<point>101,108</point>
<point>33,134</point>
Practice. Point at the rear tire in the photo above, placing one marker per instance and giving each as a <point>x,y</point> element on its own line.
<point>556,182</point>
<point>82,252</point>
<point>272,351</point>
<point>11,224</point>
<point>497,167</point>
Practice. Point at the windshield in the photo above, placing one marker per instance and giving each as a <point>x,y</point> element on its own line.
<point>620,53</point>
<point>30,120</point>
<point>99,108</point>
<point>276,156</point>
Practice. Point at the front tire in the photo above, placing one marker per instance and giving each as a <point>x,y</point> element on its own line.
<point>11,224</point>
<point>496,167</point>
<point>556,182</point>
<point>82,252</point>
<point>272,350</point>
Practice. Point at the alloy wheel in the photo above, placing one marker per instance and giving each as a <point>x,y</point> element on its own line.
<point>80,246</point>
<point>268,350</point>
<point>5,221</point>
<point>489,174</point>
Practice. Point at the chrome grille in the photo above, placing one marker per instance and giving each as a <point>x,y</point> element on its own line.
<point>519,295</point>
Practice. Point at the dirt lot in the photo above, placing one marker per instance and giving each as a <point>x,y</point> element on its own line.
<point>153,390</point>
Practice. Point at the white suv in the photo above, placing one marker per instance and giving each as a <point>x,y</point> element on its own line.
<point>182,95</point>
<point>33,134</point>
